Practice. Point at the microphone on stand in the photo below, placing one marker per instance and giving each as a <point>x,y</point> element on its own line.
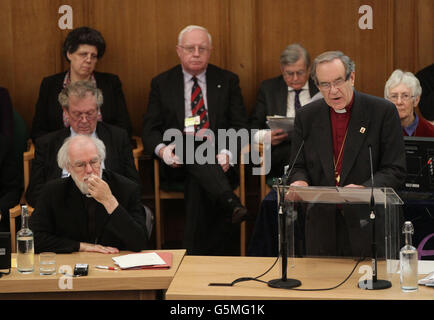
<point>373,284</point>
<point>284,282</point>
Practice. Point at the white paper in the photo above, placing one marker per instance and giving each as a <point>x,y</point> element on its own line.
<point>138,259</point>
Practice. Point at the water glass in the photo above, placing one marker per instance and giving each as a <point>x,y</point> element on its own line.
<point>47,263</point>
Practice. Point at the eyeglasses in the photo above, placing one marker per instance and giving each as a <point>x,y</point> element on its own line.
<point>337,83</point>
<point>85,55</point>
<point>90,115</point>
<point>290,74</point>
<point>404,97</point>
<point>192,49</point>
<point>81,165</point>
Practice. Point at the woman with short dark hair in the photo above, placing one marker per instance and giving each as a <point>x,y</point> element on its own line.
<point>83,47</point>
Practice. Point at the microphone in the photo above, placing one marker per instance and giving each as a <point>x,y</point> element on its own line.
<point>373,284</point>
<point>288,173</point>
<point>284,282</point>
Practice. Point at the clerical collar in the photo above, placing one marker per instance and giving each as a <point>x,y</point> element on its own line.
<point>347,108</point>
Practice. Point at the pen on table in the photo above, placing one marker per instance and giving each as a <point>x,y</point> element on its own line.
<point>106,268</point>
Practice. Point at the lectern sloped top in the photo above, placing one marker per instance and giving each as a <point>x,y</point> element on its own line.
<point>339,195</point>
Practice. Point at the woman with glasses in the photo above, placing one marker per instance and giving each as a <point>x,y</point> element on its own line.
<point>83,47</point>
<point>404,90</point>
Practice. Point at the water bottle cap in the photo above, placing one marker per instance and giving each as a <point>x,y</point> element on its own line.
<point>408,227</point>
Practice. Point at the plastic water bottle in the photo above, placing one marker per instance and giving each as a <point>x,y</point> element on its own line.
<point>25,245</point>
<point>408,261</point>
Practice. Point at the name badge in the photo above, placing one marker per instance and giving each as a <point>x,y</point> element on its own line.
<point>191,121</point>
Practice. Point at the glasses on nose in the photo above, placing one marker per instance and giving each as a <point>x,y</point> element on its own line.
<point>289,74</point>
<point>82,165</point>
<point>192,49</point>
<point>85,55</point>
<point>90,115</point>
<point>336,84</point>
<point>404,97</point>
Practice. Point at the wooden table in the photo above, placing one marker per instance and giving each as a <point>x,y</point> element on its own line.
<point>99,284</point>
<point>196,272</point>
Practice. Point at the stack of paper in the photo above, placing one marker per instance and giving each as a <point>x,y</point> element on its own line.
<point>139,260</point>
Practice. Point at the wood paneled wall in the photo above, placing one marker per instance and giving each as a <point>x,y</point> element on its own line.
<point>248,36</point>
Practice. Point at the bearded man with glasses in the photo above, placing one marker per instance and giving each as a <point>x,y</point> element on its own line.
<point>93,210</point>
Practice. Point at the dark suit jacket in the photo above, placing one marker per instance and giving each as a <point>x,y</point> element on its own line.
<point>48,112</point>
<point>272,100</point>
<point>205,185</point>
<point>119,157</point>
<point>331,230</point>
<point>60,220</point>
<point>11,185</point>
<point>374,121</point>
<point>166,107</point>
<point>6,115</point>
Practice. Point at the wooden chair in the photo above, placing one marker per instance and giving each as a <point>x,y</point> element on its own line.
<point>28,156</point>
<point>161,194</point>
<point>137,151</point>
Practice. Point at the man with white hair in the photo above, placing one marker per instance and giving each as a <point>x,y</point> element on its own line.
<point>404,90</point>
<point>81,102</point>
<point>93,210</point>
<point>192,97</point>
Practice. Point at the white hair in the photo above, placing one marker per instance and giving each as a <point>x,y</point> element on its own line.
<point>406,78</point>
<point>63,160</point>
<point>191,28</point>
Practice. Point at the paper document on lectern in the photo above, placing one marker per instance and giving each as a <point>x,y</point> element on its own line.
<point>334,195</point>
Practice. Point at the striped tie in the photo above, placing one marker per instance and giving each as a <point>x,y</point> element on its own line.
<point>198,106</point>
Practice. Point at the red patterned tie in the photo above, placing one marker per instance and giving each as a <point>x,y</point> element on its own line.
<point>198,106</point>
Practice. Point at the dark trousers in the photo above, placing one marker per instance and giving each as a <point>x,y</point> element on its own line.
<point>206,191</point>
